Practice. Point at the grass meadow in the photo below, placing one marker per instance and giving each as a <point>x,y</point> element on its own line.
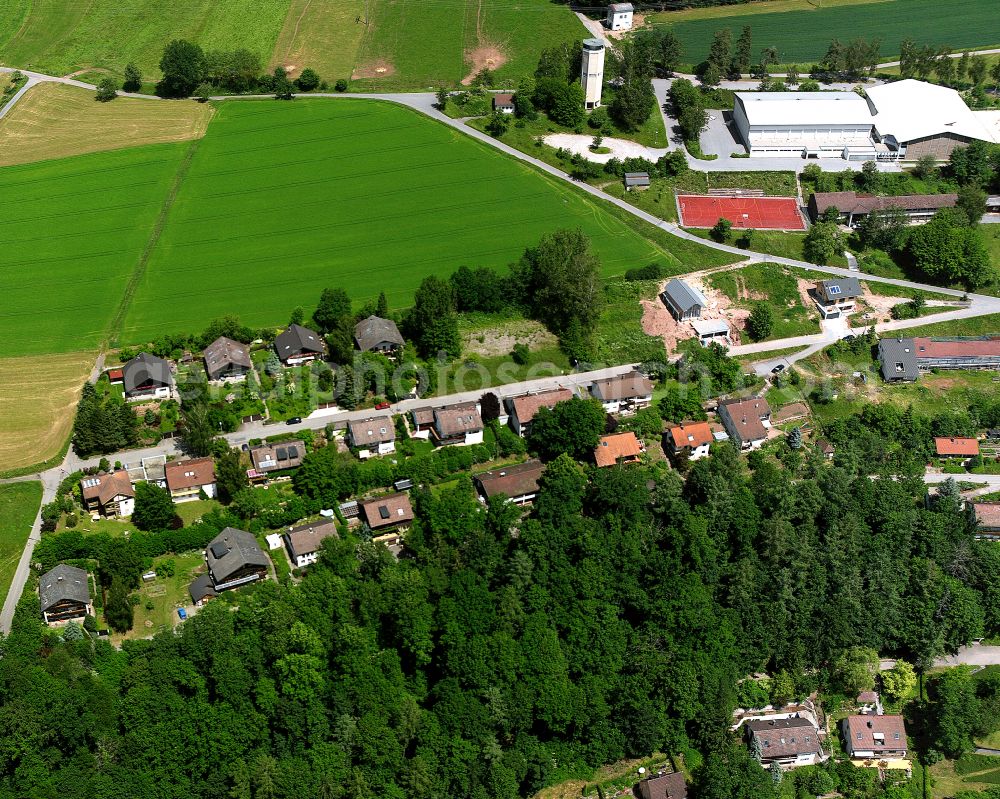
<point>56,121</point>
<point>58,37</point>
<point>71,235</point>
<point>802,34</point>
<point>18,507</point>
<point>282,200</point>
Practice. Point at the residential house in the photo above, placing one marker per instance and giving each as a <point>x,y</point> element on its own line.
<point>624,394</point>
<point>898,360</point>
<point>201,589</point>
<point>423,422</point>
<point>746,421</point>
<point>227,361</point>
<point>110,495</point>
<point>305,541</point>
<point>987,516</point>
<point>903,359</point>
<point>116,376</point>
<point>788,742</point>
<point>277,457</point>
<point>503,102</point>
<point>852,207</point>
<point>519,484</point>
<point>375,334</point>
<point>664,786</point>
<point>387,517</point>
<point>683,301</point>
<point>837,296</point>
<point>690,438</point>
<point>234,558</point>
<point>373,436</point>
<point>186,480</point>
<point>955,447</point>
<point>298,345</point>
<point>637,181</point>
<point>524,408</point>
<point>825,448</point>
<point>618,448</point>
<point>64,594</point>
<point>869,737</point>
<point>458,424</point>
<point>147,377</point>
<point>619,17</point>
<point>711,331</point>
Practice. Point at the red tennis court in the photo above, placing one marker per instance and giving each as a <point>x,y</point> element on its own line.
<point>762,213</point>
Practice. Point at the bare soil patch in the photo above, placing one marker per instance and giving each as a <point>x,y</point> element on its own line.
<point>379,68</point>
<point>658,321</point>
<point>485,56</point>
<point>721,307</point>
<point>500,340</point>
<point>805,286</point>
<point>880,305</point>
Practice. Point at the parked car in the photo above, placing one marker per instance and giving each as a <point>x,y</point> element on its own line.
<point>777,370</point>
<point>382,406</point>
<point>182,613</point>
<point>294,420</point>
<point>849,337</point>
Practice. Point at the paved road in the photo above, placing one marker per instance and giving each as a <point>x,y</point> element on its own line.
<point>974,655</point>
<point>992,480</point>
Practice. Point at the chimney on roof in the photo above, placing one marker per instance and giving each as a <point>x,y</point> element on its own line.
<point>59,579</point>
<point>869,725</point>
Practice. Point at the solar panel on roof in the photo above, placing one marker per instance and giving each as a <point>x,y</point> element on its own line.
<point>282,454</point>
<point>383,511</point>
<point>219,549</point>
<point>834,289</point>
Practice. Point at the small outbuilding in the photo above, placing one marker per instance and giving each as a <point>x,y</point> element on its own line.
<point>636,180</point>
<point>683,301</point>
<point>504,103</point>
<point>619,17</point>
<point>711,330</point>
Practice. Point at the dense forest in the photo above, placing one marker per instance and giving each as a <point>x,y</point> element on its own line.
<point>502,653</point>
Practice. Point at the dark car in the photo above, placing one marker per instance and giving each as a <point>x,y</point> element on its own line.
<point>294,420</point>
<point>777,370</point>
<point>849,337</point>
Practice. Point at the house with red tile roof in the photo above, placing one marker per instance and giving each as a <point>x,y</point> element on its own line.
<point>870,737</point>
<point>790,742</point>
<point>187,479</point>
<point>524,408</point>
<point>690,438</point>
<point>954,447</point>
<point>618,448</point>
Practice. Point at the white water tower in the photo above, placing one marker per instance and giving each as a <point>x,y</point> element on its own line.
<point>592,72</point>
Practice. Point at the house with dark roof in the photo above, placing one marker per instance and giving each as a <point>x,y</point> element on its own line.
<point>110,495</point>
<point>789,742</point>
<point>523,408</point>
<point>458,424</point>
<point>638,181</point>
<point>422,422</point>
<point>692,439</point>
<point>618,448</point>
<point>234,558</point>
<point>375,334</point>
<point>503,102</point>
<point>305,541</point>
<point>298,345</point>
<point>277,456</point>
<point>664,786</point>
<point>837,296</point>
<point>147,377</point>
<point>186,480</point>
<point>624,394</point>
<point>386,515</point>
<point>852,207</point>
<point>898,360</point>
<point>868,737</point>
<point>519,483</point>
<point>64,594</point>
<point>226,360</point>
<point>373,436</point>
<point>746,421</point>
<point>683,301</point>
<point>201,589</point>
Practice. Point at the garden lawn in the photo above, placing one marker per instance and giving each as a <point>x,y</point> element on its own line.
<point>432,44</point>
<point>72,233</point>
<point>166,594</point>
<point>192,511</point>
<point>57,37</point>
<point>284,199</point>
<point>775,286</point>
<point>803,34</point>
<point>19,503</point>
<point>56,121</point>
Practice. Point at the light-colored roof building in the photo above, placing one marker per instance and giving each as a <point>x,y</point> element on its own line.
<point>914,109</point>
<point>793,108</point>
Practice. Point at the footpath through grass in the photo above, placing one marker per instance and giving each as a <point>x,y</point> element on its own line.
<point>19,504</point>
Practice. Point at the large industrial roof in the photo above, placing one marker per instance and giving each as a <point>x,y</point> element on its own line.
<point>912,109</point>
<point>805,108</point>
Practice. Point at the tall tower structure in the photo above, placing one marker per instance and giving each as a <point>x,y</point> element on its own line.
<point>592,72</point>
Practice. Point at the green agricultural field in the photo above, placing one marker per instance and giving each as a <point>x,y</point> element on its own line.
<point>18,507</point>
<point>282,200</point>
<point>58,37</point>
<point>72,232</point>
<point>804,35</point>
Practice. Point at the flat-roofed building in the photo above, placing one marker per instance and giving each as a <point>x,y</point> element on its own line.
<point>853,207</point>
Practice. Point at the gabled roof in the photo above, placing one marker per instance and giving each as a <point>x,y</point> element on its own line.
<point>374,430</point>
<point>298,340</point>
<point>457,420</point>
<point>374,330</point>
<point>987,514</point>
<point>898,358</point>
<point>636,178</point>
<point>422,416</point>
<point>691,435</point>
<point>913,109</point>
<point>224,353</point>
<point>849,202</point>
<point>201,587</point>
<point>511,481</point>
<point>230,551</point>
<point>624,387</point>
<point>503,100</point>
<point>743,418</point>
<point>308,538</point>
<point>841,288</point>
<point>282,455</point>
<point>682,296</point>
<point>105,487</point>
<point>527,405</point>
<point>190,473</point>
<point>784,737</point>
<point>61,584</point>
<point>144,369</point>
<point>889,727</point>
<point>610,449</point>
<point>799,108</point>
<point>666,786</point>
<point>958,447</point>
<point>387,511</point>
<point>621,7</point>
<point>959,347</point>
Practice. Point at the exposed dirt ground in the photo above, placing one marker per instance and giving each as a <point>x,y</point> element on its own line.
<point>500,340</point>
<point>485,56</point>
<point>879,305</point>
<point>658,321</point>
<point>379,68</point>
<point>721,307</point>
<point>805,286</point>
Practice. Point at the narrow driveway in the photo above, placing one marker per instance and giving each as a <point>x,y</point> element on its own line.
<point>974,655</point>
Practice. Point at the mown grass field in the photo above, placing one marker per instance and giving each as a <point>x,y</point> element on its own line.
<point>72,232</point>
<point>56,121</point>
<point>282,200</point>
<point>322,35</point>
<point>803,35</point>
<point>58,37</point>
<point>18,507</point>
